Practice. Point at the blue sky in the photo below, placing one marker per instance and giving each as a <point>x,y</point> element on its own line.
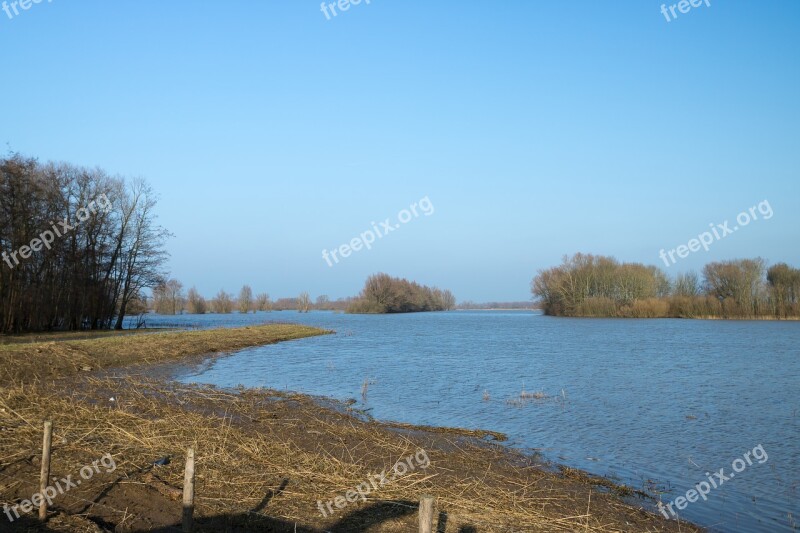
<point>536,129</point>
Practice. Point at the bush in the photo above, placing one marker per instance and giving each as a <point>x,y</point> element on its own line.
<point>597,286</point>
<point>385,294</point>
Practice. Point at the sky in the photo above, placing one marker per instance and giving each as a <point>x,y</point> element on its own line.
<point>272,131</point>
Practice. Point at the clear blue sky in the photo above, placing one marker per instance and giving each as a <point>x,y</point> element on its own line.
<point>536,129</point>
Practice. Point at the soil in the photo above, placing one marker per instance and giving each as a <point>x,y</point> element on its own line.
<point>266,460</point>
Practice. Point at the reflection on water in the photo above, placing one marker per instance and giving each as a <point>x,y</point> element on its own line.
<point>653,403</point>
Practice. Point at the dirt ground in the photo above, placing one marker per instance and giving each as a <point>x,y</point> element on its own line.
<point>266,461</point>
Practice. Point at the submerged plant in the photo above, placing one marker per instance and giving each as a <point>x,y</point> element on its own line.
<point>532,395</point>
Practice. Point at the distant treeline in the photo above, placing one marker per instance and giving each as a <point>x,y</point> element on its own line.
<point>381,294</point>
<point>599,286</point>
<point>169,298</point>
<point>385,294</point>
<point>78,246</point>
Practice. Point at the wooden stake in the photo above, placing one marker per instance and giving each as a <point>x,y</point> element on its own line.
<point>426,514</point>
<point>188,492</point>
<point>44,478</point>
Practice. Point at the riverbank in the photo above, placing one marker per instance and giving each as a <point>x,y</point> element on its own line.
<point>265,460</point>
<point>30,362</point>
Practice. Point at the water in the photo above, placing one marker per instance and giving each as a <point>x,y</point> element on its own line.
<point>652,403</point>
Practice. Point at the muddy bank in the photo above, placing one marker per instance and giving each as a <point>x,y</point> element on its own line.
<point>269,461</point>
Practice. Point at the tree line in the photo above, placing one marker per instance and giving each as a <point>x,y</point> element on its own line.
<point>381,294</point>
<point>385,294</point>
<point>169,298</point>
<point>79,246</point>
<point>600,286</point>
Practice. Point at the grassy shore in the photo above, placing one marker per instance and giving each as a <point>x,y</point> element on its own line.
<point>29,362</point>
<point>264,458</point>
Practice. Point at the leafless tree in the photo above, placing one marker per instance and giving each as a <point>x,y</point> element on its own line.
<point>168,297</point>
<point>303,302</point>
<point>741,281</point>
<point>262,302</point>
<point>195,304</point>
<point>245,301</point>
<point>687,284</point>
<point>323,302</point>
<point>223,303</point>
<point>80,246</point>
<point>784,284</point>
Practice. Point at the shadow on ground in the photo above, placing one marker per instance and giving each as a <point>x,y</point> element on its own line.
<point>358,521</point>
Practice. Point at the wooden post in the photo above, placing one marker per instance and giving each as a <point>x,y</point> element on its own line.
<point>188,492</point>
<point>426,514</point>
<point>44,477</point>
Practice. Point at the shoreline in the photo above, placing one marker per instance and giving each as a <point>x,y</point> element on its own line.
<point>709,317</point>
<point>265,457</point>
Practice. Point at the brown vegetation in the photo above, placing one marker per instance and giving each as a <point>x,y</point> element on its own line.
<point>196,304</point>
<point>385,294</point>
<point>597,286</point>
<point>245,301</point>
<point>264,458</point>
<point>304,303</point>
<point>26,363</point>
<point>222,303</point>
<point>78,278</point>
<point>263,302</point>
<point>168,298</point>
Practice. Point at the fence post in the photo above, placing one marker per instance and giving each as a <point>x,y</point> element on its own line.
<point>188,492</point>
<point>426,514</point>
<point>44,477</point>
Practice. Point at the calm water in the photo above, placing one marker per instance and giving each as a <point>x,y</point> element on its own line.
<point>653,403</point>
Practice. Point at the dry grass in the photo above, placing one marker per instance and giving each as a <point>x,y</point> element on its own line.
<point>255,446</point>
<point>73,335</point>
<point>264,458</point>
<point>27,363</point>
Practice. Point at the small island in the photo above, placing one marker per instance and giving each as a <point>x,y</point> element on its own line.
<point>384,294</point>
<point>587,285</point>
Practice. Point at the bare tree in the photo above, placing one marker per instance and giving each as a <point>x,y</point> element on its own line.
<point>195,304</point>
<point>323,302</point>
<point>448,300</point>
<point>285,304</point>
<point>245,301</point>
<point>84,272</point>
<point>140,246</point>
<point>223,302</point>
<point>176,297</point>
<point>263,303</point>
<point>741,281</point>
<point>687,284</point>
<point>168,297</point>
<point>784,285</point>
<point>303,302</point>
